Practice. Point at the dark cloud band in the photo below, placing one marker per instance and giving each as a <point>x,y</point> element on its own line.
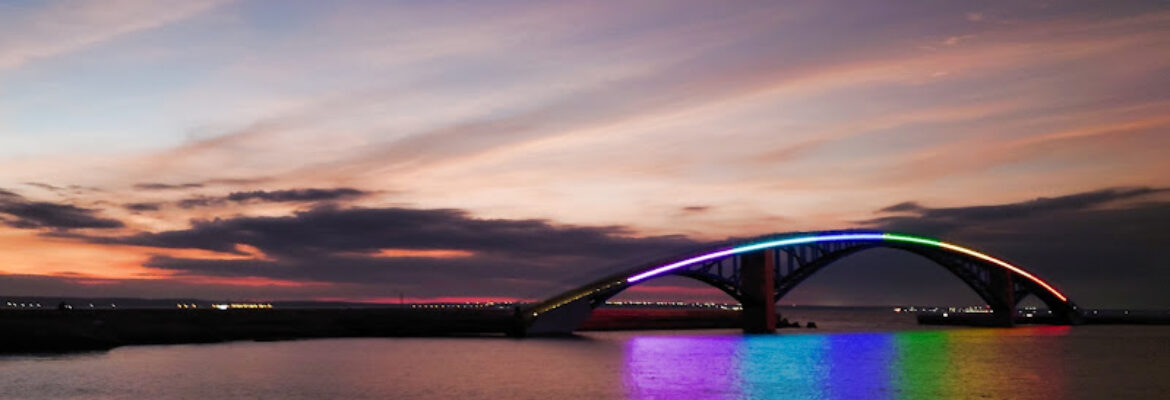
<point>18,212</point>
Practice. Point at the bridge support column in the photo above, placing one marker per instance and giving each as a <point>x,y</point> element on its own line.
<point>1004,291</point>
<point>757,277</point>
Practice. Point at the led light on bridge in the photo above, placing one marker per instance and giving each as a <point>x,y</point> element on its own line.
<point>875,236</point>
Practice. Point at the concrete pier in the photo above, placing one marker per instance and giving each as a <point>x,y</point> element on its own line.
<point>757,278</point>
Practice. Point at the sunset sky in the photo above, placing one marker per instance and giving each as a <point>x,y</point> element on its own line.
<point>497,150</point>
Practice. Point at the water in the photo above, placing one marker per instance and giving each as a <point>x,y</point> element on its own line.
<point>884,358</point>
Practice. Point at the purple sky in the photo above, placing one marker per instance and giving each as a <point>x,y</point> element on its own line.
<point>443,149</point>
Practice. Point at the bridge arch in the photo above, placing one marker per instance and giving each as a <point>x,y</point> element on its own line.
<point>795,257</point>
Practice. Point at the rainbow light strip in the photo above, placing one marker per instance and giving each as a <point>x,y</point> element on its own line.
<point>876,236</point>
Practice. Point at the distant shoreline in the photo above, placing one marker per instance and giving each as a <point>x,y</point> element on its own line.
<point>58,331</point>
<point>51,331</point>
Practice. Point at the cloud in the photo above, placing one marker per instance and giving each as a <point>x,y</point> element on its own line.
<point>942,220</point>
<point>954,40</point>
<point>1093,245</point>
<point>297,195</point>
<point>143,206</point>
<point>166,186</point>
<point>45,186</point>
<point>903,207</point>
<point>236,181</point>
<point>275,196</point>
<point>609,119</point>
<point>18,212</point>
<point>1101,247</point>
<point>196,185</point>
<point>347,245</point>
<point>332,230</point>
<point>41,32</point>
<point>200,201</point>
<point>1097,246</point>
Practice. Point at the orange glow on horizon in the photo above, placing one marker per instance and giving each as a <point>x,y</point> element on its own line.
<point>253,281</point>
<point>420,253</point>
<point>418,300</point>
<point>25,253</point>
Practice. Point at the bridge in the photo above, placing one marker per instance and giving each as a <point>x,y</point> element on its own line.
<point>758,272</point>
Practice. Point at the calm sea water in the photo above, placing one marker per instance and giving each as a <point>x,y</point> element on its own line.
<point>858,355</point>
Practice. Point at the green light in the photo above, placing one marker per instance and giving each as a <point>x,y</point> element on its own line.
<point>960,249</point>
<point>911,239</point>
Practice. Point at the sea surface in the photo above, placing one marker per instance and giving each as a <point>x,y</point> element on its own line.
<point>855,354</point>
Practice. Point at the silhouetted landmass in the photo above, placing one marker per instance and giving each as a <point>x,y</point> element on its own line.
<point>49,330</point>
<point>127,303</point>
<point>31,331</point>
<point>34,331</point>
<point>45,331</point>
<point>1092,317</point>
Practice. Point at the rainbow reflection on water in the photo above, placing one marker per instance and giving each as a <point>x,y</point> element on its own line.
<point>901,365</point>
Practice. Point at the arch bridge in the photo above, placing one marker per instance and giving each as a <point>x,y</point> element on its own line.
<point>758,272</point>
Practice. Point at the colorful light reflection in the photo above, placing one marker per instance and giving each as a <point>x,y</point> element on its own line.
<point>909,365</point>
<point>841,237</point>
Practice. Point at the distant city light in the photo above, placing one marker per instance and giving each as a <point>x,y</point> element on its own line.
<point>242,306</point>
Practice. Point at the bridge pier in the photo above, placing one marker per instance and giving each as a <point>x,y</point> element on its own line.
<point>757,278</point>
<point>1004,291</point>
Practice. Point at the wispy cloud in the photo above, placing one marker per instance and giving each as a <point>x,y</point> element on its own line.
<point>45,30</point>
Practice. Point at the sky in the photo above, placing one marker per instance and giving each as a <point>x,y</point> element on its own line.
<point>454,150</point>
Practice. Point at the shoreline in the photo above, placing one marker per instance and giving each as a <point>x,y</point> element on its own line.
<point>65,331</point>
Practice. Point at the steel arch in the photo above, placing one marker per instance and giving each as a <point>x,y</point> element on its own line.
<point>799,256</point>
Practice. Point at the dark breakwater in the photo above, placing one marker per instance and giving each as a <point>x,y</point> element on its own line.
<point>58,331</point>
<point>49,331</point>
<point>1043,317</point>
<point>43,331</point>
